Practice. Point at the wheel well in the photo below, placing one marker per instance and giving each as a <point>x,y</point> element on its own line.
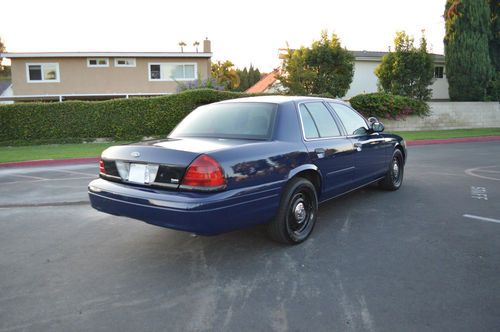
<point>402,152</point>
<point>313,177</point>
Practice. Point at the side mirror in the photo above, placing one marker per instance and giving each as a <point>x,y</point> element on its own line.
<point>377,127</point>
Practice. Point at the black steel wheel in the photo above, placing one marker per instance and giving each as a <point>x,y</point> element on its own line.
<point>297,212</point>
<point>394,177</point>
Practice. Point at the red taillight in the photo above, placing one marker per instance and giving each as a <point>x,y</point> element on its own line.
<point>204,171</point>
<point>101,167</point>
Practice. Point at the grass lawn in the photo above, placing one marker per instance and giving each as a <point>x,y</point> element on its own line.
<point>53,151</point>
<point>60,151</point>
<point>455,133</point>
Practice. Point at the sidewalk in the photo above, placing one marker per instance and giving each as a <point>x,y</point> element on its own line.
<point>72,161</point>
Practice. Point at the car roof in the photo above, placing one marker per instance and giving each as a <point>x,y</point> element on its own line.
<point>278,99</point>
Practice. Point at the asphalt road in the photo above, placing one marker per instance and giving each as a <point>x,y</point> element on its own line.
<point>424,258</point>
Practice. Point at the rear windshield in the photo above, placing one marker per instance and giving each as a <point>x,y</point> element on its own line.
<point>229,120</point>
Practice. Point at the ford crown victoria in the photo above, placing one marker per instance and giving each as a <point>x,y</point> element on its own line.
<point>242,162</point>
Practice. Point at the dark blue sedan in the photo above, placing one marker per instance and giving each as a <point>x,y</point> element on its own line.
<point>243,162</point>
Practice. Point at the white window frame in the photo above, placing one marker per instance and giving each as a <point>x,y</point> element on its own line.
<point>42,64</point>
<point>97,65</point>
<point>132,60</point>
<point>168,79</point>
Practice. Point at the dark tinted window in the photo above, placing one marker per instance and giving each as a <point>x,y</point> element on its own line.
<point>321,118</point>
<point>229,120</point>
<point>155,72</point>
<point>353,122</point>
<point>35,72</point>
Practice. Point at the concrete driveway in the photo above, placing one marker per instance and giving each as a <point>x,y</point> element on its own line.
<point>424,258</point>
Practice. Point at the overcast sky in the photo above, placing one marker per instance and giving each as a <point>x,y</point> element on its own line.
<point>242,31</point>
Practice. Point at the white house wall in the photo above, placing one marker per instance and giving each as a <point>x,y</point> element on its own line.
<point>364,79</point>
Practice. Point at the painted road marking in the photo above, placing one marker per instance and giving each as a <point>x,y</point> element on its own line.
<point>30,177</point>
<point>49,180</point>
<point>479,193</point>
<point>479,172</point>
<point>481,218</point>
<point>80,173</point>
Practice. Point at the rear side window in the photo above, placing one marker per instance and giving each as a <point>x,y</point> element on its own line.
<point>354,123</point>
<point>317,121</point>
<point>229,120</point>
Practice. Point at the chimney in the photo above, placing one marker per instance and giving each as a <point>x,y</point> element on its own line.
<point>207,47</point>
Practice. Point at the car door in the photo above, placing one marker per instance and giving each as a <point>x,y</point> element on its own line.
<point>371,148</point>
<point>328,147</point>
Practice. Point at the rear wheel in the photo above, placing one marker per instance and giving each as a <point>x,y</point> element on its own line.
<point>394,177</point>
<point>297,212</point>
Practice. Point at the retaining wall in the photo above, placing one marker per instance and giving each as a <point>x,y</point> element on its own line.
<point>451,115</point>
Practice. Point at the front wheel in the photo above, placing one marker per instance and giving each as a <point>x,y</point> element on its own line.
<point>297,212</point>
<point>394,176</point>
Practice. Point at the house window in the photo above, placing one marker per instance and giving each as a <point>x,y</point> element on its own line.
<point>438,72</point>
<point>42,72</point>
<point>122,62</point>
<point>98,62</point>
<point>172,71</point>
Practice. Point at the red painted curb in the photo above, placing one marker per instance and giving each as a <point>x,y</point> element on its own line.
<point>454,140</point>
<point>72,161</point>
<point>49,162</point>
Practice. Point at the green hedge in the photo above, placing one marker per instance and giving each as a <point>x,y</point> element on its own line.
<point>119,119</point>
<point>388,106</point>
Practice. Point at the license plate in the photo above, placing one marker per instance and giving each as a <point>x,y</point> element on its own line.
<point>137,173</point>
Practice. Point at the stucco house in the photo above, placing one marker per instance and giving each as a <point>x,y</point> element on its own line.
<point>93,75</point>
<point>364,79</point>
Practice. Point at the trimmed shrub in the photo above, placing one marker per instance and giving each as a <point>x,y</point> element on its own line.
<point>388,106</point>
<point>118,119</point>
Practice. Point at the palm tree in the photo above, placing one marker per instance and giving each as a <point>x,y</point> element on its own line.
<point>182,44</point>
<point>196,44</point>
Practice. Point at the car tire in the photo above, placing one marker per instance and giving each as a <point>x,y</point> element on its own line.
<point>297,212</point>
<point>394,176</point>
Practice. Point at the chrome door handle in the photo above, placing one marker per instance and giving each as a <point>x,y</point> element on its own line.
<point>358,146</point>
<point>320,152</point>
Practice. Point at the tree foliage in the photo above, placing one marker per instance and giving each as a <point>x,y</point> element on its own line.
<point>467,49</point>
<point>408,71</point>
<point>494,45</point>
<point>2,49</point>
<point>324,68</point>
<point>248,77</point>
<point>225,74</point>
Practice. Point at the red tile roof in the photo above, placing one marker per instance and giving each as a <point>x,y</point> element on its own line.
<point>265,82</point>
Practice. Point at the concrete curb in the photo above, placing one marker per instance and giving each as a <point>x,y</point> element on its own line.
<point>73,161</point>
<point>49,162</point>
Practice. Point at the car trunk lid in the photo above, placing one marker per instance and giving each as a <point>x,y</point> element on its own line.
<point>158,163</point>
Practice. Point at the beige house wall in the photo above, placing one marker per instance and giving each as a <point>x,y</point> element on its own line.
<point>77,78</point>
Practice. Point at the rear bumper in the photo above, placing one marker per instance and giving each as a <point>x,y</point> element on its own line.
<point>200,213</point>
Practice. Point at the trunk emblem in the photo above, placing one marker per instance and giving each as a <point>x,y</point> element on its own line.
<point>135,154</point>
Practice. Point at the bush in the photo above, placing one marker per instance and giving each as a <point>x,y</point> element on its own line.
<point>118,119</point>
<point>388,106</point>
<point>210,83</point>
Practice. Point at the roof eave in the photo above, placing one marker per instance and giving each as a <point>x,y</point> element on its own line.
<point>107,54</point>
